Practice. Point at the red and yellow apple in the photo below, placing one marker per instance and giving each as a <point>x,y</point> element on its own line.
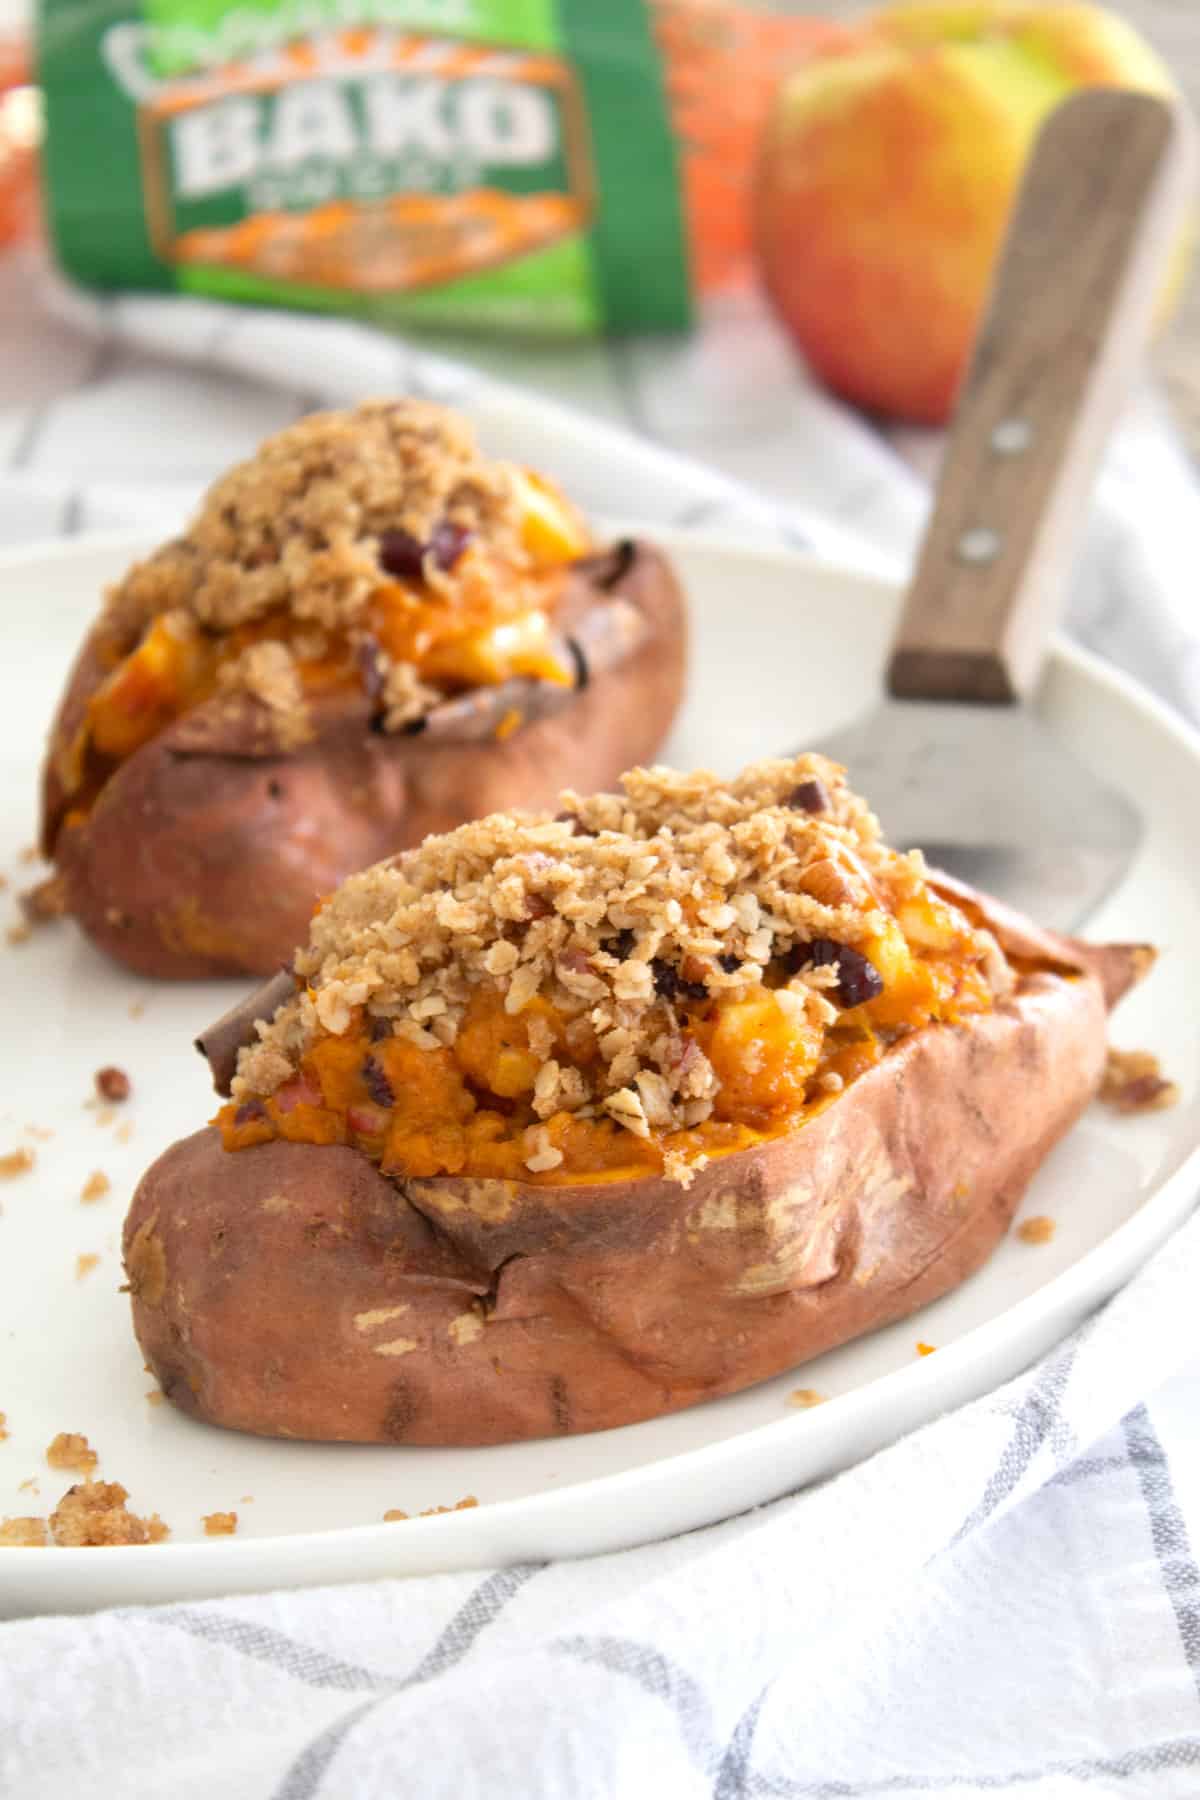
<point>888,172</point>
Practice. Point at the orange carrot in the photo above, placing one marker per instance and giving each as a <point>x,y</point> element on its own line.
<point>721,66</point>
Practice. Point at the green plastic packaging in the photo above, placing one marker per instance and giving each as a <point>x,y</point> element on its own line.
<point>485,164</point>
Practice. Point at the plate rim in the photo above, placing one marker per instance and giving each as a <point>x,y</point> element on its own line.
<point>1137,1233</point>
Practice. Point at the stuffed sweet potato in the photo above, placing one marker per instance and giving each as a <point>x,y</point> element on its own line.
<point>368,633</point>
<point>568,1122</point>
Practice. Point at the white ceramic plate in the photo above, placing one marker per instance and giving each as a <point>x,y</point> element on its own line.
<point>785,648</point>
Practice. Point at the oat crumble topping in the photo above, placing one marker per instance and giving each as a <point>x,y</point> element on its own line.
<point>1135,1083</point>
<point>298,529</point>
<point>298,524</point>
<point>394,1513</point>
<point>24,1533</point>
<point>71,1450</point>
<point>617,912</point>
<point>94,1514</point>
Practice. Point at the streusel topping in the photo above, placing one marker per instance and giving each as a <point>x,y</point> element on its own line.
<point>621,913</point>
<point>299,541</point>
<point>298,526</point>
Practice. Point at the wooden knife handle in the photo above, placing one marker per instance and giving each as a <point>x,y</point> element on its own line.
<point>1070,311</point>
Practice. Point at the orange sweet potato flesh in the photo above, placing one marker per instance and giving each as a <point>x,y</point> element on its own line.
<point>207,848</point>
<point>294,1291</point>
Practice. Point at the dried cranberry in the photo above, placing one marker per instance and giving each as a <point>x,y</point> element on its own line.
<point>858,979</point>
<point>377,1083</point>
<point>248,1111</point>
<point>622,946</point>
<point>448,543</point>
<point>112,1083</point>
<point>669,984</point>
<point>729,962</point>
<point>810,797</point>
<point>380,1028</point>
<point>401,554</point>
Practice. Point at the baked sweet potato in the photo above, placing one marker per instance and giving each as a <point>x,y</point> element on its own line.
<point>195,824</point>
<point>347,1254</point>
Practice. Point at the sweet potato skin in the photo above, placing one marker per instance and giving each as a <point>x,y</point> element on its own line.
<point>294,1291</point>
<point>208,848</point>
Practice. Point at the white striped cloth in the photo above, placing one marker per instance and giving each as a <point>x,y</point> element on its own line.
<point>1006,1601</point>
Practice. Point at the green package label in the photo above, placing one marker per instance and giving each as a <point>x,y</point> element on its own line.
<point>483,163</point>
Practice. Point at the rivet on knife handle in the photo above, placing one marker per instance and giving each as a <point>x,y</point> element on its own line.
<point>1070,311</point>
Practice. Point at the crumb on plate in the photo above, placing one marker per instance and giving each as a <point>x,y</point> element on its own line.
<point>16,1162</point>
<point>93,1514</point>
<point>112,1083</point>
<point>925,1349</point>
<point>220,1524</point>
<point>806,1397</point>
<point>90,1514</point>
<point>85,1262</point>
<point>45,902</point>
<point>1134,1083</point>
<point>1038,1230</point>
<point>95,1187</point>
<point>430,1512</point>
<point>71,1450</point>
<point>23,1534</point>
